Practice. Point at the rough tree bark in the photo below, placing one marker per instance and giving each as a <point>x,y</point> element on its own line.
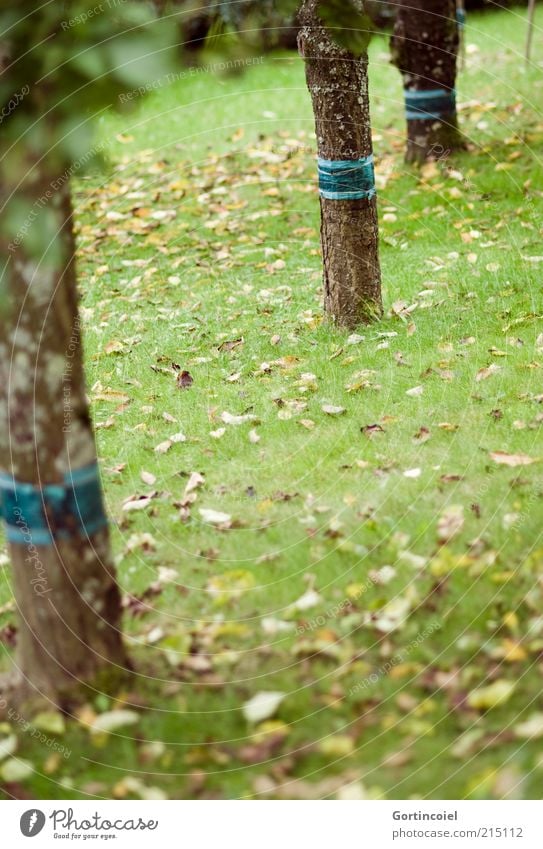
<point>66,594</point>
<point>424,47</point>
<point>338,84</point>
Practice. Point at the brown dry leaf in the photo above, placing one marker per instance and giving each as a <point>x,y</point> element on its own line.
<point>195,480</point>
<point>114,347</point>
<point>111,395</point>
<point>487,372</point>
<point>422,435</point>
<point>371,429</point>
<point>230,344</point>
<point>137,502</point>
<point>163,447</point>
<point>184,380</point>
<point>450,523</point>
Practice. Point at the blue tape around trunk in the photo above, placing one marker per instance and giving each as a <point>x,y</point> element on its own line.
<point>431,104</point>
<point>38,515</point>
<point>346,179</point>
<point>461,18</point>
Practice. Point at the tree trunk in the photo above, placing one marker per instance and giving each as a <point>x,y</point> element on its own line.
<point>64,583</point>
<point>338,84</point>
<point>424,47</point>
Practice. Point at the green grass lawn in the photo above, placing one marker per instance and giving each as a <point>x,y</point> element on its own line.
<point>386,580</point>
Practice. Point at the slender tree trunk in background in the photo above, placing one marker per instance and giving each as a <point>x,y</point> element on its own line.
<point>530,32</point>
<point>424,47</point>
<point>338,84</point>
<point>65,591</point>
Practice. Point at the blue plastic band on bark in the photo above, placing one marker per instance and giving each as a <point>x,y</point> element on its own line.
<point>40,514</point>
<point>431,104</point>
<point>461,18</point>
<point>346,179</point>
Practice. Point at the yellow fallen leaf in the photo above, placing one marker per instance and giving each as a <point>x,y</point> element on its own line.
<point>492,696</point>
<point>337,746</point>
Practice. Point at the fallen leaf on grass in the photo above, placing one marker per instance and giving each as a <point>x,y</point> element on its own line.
<point>136,787</point>
<point>337,746</point>
<point>346,786</point>
<point>262,706</point>
<point>7,746</point>
<point>229,419</point>
<point>178,437</point>
<point>230,586</point>
<point>331,410</point>
<point>195,480</point>
<point>487,372</point>
<point>145,541</point>
<point>450,523</point>
<point>137,502</point>
<point>184,380</point>
<point>272,626</point>
<point>215,517</point>
<point>505,459</point>
<point>467,744</point>
<point>531,729</point>
<point>16,770</point>
<point>309,599</point>
<point>112,720</point>
<point>50,721</point>
<point>230,344</point>
<point>496,694</point>
<point>114,347</point>
<point>371,429</point>
<point>392,616</point>
<point>148,478</point>
<point>163,447</point>
<point>422,435</point>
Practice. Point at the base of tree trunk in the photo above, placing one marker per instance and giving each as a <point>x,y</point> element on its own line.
<point>433,139</point>
<point>352,276</point>
<point>69,644</point>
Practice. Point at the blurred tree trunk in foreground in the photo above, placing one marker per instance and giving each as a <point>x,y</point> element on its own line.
<point>63,63</point>
<point>64,584</point>
<point>424,47</point>
<point>338,83</point>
